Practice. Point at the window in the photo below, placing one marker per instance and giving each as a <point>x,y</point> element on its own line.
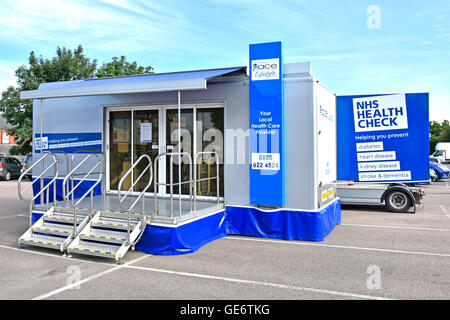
<point>5,138</point>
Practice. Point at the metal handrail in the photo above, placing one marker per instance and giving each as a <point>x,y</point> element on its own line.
<point>66,156</point>
<point>171,184</point>
<point>216,157</point>
<point>43,189</point>
<point>141,195</point>
<point>90,191</point>
<point>90,152</point>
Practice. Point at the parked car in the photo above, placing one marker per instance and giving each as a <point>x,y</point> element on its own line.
<point>433,175</point>
<point>27,162</point>
<point>442,171</point>
<point>9,167</point>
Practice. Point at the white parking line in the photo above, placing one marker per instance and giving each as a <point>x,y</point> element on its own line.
<point>13,216</point>
<point>259,283</point>
<point>95,276</point>
<point>187,274</point>
<point>298,243</point>
<point>444,210</point>
<point>392,227</point>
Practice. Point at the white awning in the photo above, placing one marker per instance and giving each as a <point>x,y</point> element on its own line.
<point>158,82</point>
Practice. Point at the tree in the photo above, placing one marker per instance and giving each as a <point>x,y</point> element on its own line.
<point>66,65</point>
<point>121,68</point>
<point>439,132</point>
<point>444,136</point>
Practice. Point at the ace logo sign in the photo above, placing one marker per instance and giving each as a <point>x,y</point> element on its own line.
<point>266,124</point>
<point>265,69</point>
<point>380,113</point>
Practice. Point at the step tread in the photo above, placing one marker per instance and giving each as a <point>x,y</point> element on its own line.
<point>92,247</point>
<point>54,227</point>
<point>43,239</point>
<point>120,215</point>
<point>63,218</point>
<point>113,223</point>
<point>105,234</point>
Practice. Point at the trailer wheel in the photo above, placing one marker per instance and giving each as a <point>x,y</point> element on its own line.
<point>398,201</point>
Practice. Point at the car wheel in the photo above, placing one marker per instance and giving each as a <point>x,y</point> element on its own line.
<point>438,176</point>
<point>434,179</point>
<point>398,201</point>
<point>7,176</point>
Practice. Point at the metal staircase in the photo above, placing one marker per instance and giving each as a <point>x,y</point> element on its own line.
<point>52,230</point>
<point>94,231</point>
<point>44,233</point>
<point>106,235</point>
<point>57,227</point>
<point>111,234</point>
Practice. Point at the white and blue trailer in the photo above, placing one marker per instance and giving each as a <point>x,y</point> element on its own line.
<point>382,149</point>
<point>166,163</point>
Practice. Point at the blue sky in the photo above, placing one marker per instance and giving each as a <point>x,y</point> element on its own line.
<point>408,51</point>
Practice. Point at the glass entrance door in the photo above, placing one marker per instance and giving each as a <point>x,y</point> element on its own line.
<point>135,132</point>
<point>119,147</point>
<point>172,145</point>
<point>209,137</point>
<point>145,141</point>
<point>131,134</point>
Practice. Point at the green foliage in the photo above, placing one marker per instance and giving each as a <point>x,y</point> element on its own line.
<point>439,132</point>
<point>16,151</point>
<point>445,136</point>
<point>65,66</point>
<point>18,113</point>
<point>121,68</point>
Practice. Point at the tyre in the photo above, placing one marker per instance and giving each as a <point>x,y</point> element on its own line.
<point>398,201</point>
<point>434,179</point>
<point>7,176</point>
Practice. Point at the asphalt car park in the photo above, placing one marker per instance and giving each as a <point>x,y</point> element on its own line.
<point>372,254</point>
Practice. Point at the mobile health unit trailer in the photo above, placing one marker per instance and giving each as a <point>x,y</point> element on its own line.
<point>383,145</point>
<point>165,163</point>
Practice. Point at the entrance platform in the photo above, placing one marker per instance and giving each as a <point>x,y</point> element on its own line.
<point>182,210</point>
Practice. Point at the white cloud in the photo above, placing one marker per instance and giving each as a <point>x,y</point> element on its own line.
<point>110,25</point>
<point>439,107</point>
<point>7,75</point>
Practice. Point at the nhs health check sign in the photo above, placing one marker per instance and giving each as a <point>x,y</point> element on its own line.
<point>383,138</point>
<point>266,124</point>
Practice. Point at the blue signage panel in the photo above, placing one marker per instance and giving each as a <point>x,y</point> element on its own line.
<point>383,138</point>
<point>266,125</point>
<point>68,142</point>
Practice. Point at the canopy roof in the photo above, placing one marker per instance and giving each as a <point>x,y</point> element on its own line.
<point>156,82</point>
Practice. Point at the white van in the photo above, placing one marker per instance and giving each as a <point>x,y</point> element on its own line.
<point>442,152</point>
